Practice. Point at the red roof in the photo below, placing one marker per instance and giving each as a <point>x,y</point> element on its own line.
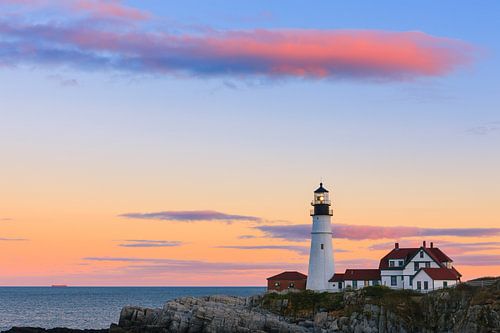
<point>436,253</point>
<point>400,253</point>
<point>407,253</point>
<point>362,274</point>
<point>337,277</point>
<point>289,275</point>
<point>442,273</point>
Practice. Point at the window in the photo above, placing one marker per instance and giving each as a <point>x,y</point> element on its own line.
<point>411,281</point>
<point>375,283</point>
<point>354,284</point>
<point>421,254</point>
<point>391,263</point>
<point>402,277</point>
<point>340,285</point>
<point>427,264</point>
<point>276,284</point>
<point>445,284</point>
<point>419,285</point>
<point>426,285</point>
<point>322,246</point>
<point>291,285</point>
<point>415,266</point>
<point>394,282</point>
<point>401,263</point>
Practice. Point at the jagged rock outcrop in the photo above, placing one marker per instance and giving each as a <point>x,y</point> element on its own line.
<point>208,314</point>
<point>463,309</point>
<point>52,330</point>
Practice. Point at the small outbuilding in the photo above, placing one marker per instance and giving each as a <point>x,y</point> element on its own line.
<point>428,279</point>
<point>287,280</point>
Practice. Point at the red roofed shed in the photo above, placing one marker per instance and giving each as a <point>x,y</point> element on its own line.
<point>287,280</point>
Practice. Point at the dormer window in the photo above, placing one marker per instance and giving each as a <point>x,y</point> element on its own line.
<point>400,263</point>
<point>391,263</point>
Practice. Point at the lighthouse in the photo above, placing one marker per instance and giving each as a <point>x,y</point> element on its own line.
<point>321,266</point>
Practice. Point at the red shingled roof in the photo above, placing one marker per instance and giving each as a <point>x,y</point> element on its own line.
<point>442,273</point>
<point>337,277</point>
<point>407,253</point>
<point>400,253</point>
<point>436,253</point>
<point>362,274</point>
<point>292,276</point>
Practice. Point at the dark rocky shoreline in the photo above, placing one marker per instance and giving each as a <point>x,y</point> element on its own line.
<point>464,309</point>
<point>52,330</point>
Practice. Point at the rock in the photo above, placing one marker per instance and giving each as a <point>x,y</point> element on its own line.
<point>460,310</point>
<point>52,330</point>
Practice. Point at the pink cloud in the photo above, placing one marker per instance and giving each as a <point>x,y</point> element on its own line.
<point>102,9</point>
<point>301,232</point>
<point>313,54</point>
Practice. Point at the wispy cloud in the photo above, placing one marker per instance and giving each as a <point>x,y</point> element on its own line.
<point>149,243</point>
<point>190,216</point>
<point>247,237</point>
<point>64,81</point>
<point>5,219</point>
<point>77,41</point>
<point>302,250</point>
<point>301,232</point>
<point>477,260</point>
<point>152,265</point>
<point>2,239</point>
<point>97,9</point>
<point>450,247</point>
<point>485,129</point>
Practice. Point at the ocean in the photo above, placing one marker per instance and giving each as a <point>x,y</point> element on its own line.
<point>90,307</point>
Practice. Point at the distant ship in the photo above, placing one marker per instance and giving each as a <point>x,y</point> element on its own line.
<point>59,286</point>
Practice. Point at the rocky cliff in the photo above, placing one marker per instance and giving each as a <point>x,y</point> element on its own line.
<point>464,309</point>
<point>375,309</point>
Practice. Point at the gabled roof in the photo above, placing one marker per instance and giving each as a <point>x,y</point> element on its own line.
<point>337,277</point>
<point>398,253</point>
<point>361,274</point>
<point>409,253</point>
<point>438,254</point>
<point>321,189</point>
<point>289,275</point>
<point>442,273</point>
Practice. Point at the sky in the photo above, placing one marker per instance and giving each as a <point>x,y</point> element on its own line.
<point>179,143</point>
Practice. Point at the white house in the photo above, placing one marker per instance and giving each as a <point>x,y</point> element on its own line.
<point>399,267</point>
<point>423,269</point>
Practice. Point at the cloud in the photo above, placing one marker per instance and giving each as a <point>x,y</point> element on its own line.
<point>190,216</point>
<point>247,237</point>
<point>97,9</point>
<point>301,232</point>
<point>6,219</point>
<point>486,129</point>
<point>302,250</point>
<point>451,247</point>
<point>477,260</point>
<point>150,243</point>
<point>12,239</point>
<point>158,265</point>
<point>63,81</point>
<point>287,53</point>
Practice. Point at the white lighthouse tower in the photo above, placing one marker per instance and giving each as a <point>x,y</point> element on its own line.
<point>321,267</point>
